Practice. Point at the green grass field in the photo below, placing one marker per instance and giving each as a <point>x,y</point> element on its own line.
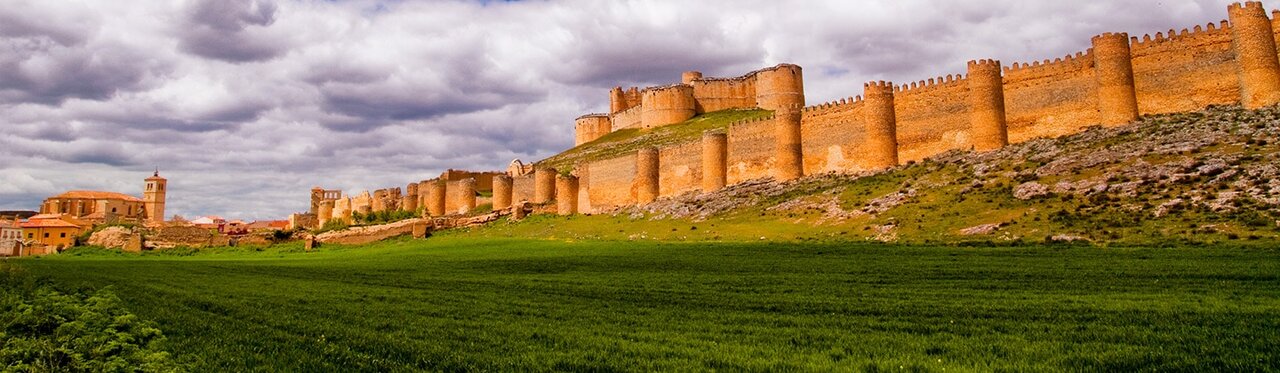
<point>462,302</point>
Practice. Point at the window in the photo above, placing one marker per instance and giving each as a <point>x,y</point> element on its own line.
<point>46,235</point>
<point>63,235</point>
<point>113,210</point>
<point>31,235</point>
<point>149,187</point>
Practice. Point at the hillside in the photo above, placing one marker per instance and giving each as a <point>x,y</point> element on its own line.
<point>629,140</point>
<point>1200,177</point>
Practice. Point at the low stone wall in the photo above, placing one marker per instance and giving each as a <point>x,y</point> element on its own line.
<point>373,233</point>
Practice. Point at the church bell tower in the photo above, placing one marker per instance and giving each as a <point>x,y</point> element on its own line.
<point>153,198</point>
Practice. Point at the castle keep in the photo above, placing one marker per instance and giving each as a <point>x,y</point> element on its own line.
<point>992,105</point>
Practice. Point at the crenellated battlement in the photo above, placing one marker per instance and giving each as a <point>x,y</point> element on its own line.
<point>592,115</point>
<point>843,103</point>
<point>1071,62</point>
<point>1246,6</point>
<point>931,84</point>
<point>1210,29</point>
<point>878,87</point>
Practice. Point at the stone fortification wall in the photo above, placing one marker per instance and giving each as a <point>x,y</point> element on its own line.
<point>932,117</point>
<point>625,119</point>
<point>1185,72</point>
<point>1050,99</point>
<point>522,188</point>
<point>751,152</point>
<point>680,168</point>
<point>832,135</point>
<point>714,94</point>
<point>612,182</point>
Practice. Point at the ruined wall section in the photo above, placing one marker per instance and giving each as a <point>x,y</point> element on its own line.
<point>831,134</point>
<point>932,117</point>
<point>1185,71</point>
<point>751,152</point>
<point>1050,98</point>
<point>522,188</point>
<point>680,168</point>
<point>612,182</point>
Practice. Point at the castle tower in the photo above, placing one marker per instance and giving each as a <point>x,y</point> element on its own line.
<point>317,195</point>
<point>341,209</point>
<point>616,101</point>
<point>153,198</point>
<point>1117,100</point>
<point>589,127</point>
<point>689,76</point>
<point>502,192</point>
<point>1255,46</point>
<point>789,164</point>
<point>325,212</point>
<point>668,105</point>
<point>715,154</point>
<point>435,198</point>
<point>544,184</point>
<point>466,195</point>
<point>986,105</point>
<point>646,175</point>
<point>779,87</point>
<point>566,194</point>
<point>881,126</point>
<point>410,202</point>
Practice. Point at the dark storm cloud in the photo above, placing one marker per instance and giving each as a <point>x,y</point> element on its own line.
<point>40,68</point>
<point>224,30</point>
<point>245,104</point>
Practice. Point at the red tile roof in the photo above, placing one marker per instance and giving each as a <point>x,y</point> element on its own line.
<point>94,194</point>
<point>47,223</point>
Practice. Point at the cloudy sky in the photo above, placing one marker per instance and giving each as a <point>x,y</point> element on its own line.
<point>245,104</point>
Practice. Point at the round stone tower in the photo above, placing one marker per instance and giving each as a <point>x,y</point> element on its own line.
<point>566,194</point>
<point>502,192</point>
<point>1255,46</point>
<point>881,125</point>
<point>986,106</point>
<point>662,106</point>
<point>436,195</point>
<point>466,195</point>
<point>646,175</point>
<point>790,162</point>
<point>1117,100</point>
<point>779,87</point>
<point>715,154</point>
<point>544,184</point>
<point>589,127</point>
<point>153,198</point>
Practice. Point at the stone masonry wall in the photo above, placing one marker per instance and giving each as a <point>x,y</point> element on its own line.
<point>680,168</point>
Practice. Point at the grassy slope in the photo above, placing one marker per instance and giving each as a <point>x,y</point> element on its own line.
<point>959,190</point>
<point>629,140</point>
<point>460,302</point>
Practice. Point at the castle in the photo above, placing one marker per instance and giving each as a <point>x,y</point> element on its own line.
<point>1114,82</point>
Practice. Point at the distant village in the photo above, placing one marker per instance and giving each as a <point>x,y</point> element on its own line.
<point>66,219</point>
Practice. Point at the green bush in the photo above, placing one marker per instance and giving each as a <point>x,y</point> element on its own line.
<point>46,330</point>
<point>383,217</point>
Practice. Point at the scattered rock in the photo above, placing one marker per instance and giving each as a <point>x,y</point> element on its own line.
<point>111,237</point>
<point>1029,190</point>
<point>980,229</point>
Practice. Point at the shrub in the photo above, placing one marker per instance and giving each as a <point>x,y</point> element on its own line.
<point>46,330</point>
